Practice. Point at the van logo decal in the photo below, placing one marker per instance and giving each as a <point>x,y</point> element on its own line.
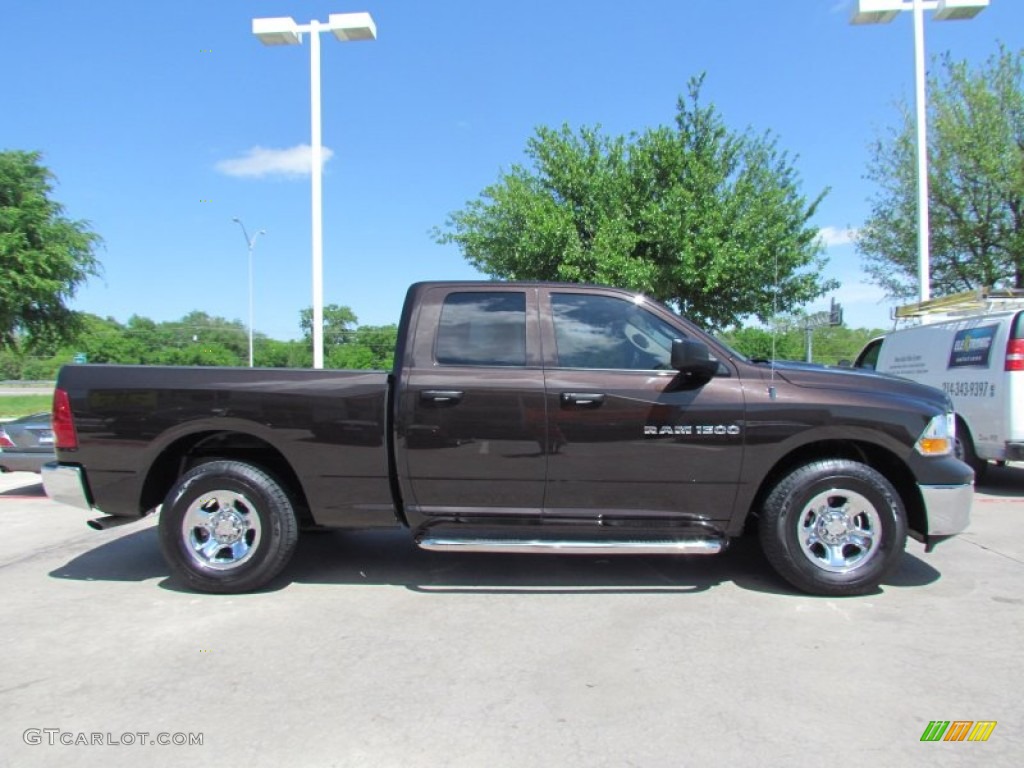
<point>971,347</point>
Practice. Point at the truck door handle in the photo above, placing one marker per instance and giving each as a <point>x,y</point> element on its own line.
<point>440,396</point>
<point>582,399</point>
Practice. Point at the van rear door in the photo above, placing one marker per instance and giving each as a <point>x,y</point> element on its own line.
<point>1014,367</point>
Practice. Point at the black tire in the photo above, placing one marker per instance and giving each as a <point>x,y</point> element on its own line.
<point>963,449</point>
<point>834,527</point>
<point>227,527</point>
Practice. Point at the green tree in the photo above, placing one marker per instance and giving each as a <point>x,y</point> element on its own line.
<point>102,341</point>
<point>349,345</point>
<point>283,354</point>
<point>338,322</point>
<point>44,256</point>
<point>349,356</point>
<point>379,341</point>
<point>788,341</point>
<point>199,339</point>
<point>698,216</point>
<point>976,184</point>
<point>10,365</point>
<point>765,344</point>
<point>835,344</point>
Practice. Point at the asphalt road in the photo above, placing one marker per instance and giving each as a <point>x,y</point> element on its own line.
<point>369,652</point>
<point>11,390</point>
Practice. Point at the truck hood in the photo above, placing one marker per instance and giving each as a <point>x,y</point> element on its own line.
<point>853,379</point>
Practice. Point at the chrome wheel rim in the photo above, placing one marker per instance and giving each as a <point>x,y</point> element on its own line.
<point>839,531</point>
<point>221,530</point>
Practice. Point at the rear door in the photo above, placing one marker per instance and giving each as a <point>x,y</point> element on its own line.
<point>472,425</point>
<point>628,436</point>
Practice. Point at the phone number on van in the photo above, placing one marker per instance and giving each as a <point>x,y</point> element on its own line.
<point>969,388</point>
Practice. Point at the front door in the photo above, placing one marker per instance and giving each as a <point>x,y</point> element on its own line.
<point>630,436</point>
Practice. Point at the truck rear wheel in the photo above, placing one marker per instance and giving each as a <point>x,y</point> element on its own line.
<point>834,527</point>
<point>227,526</point>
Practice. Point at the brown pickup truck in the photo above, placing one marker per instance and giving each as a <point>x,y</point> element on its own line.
<point>519,418</point>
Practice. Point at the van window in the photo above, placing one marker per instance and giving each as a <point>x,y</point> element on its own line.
<point>868,357</point>
<point>482,328</point>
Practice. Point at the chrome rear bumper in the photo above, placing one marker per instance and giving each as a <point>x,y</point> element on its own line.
<point>66,484</point>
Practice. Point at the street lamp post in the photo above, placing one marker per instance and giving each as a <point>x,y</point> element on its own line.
<point>250,243</point>
<point>346,27</point>
<point>882,12</point>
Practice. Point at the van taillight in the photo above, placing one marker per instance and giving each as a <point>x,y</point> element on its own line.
<point>64,432</point>
<point>1015,355</point>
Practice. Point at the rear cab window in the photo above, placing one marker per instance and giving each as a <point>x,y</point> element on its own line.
<point>484,328</point>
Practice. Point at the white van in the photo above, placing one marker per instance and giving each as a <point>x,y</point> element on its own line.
<point>974,350</point>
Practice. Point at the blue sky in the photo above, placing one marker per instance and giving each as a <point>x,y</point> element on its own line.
<point>150,113</point>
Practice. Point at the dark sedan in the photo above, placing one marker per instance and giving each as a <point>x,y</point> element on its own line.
<point>26,443</point>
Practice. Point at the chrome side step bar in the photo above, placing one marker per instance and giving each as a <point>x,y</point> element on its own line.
<point>696,546</point>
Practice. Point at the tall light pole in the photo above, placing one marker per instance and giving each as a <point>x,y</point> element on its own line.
<point>250,243</point>
<point>347,27</point>
<point>882,12</point>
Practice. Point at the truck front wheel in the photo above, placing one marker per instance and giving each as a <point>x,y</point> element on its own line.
<point>834,527</point>
<point>227,526</point>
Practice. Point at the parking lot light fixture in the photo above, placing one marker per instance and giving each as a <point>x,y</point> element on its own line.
<point>882,12</point>
<point>283,30</point>
<point>250,243</point>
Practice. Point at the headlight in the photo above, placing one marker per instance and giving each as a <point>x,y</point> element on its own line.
<point>938,437</point>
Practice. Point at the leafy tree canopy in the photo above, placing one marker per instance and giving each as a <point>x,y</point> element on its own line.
<point>976,184</point>
<point>788,341</point>
<point>697,216</point>
<point>349,345</point>
<point>200,339</point>
<point>44,256</point>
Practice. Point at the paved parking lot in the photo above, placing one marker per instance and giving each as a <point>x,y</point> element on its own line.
<point>369,652</point>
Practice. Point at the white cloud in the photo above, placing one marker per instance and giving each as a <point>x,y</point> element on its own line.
<point>261,161</point>
<point>833,236</point>
<point>862,293</point>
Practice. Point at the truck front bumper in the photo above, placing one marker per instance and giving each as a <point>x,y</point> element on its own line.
<point>948,508</point>
<point>66,484</point>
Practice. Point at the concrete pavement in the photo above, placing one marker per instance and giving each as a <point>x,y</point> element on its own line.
<point>370,652</point>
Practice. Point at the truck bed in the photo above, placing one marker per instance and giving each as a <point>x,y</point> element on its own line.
<point>328,425</point>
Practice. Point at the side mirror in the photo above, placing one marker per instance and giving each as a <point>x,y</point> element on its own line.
<point>691,356</point>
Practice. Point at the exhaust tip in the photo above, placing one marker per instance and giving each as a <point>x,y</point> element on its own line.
<point>110,521</point>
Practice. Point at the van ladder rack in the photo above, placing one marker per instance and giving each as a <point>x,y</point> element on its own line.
<point>978,300</point>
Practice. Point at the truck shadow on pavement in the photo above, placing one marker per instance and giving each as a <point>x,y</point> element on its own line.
<point>29,491</point>
<point>1005,481</point>
<point>390,558</point>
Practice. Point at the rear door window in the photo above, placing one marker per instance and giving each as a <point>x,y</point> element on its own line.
<point>485,328</point>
